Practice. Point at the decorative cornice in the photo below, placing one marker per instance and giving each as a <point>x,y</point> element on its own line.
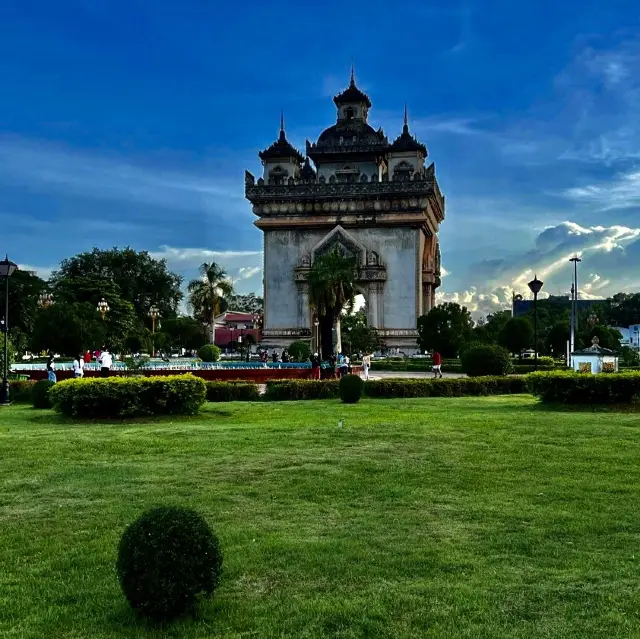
<point>397,332</point>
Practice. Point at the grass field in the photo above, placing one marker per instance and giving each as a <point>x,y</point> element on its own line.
<point>418,518</point>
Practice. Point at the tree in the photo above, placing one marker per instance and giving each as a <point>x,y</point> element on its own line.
<point>249,303</point>
<point>24,293</point>
<point>207,292</point>
<point>184,332</point>
<point>331,290</point>
<point>623,309</point>
<point>82,293</point>
<point>142,280</point>
<point>516,335</point>
<point>445,328</point>
<point>358,335</point>
<point>495,323</point>
<point>557,339</point>
<point>607,337</point>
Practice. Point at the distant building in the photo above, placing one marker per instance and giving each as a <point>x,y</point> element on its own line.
<point>522,307</point>
<point>234,324</point>
<point>630,336</point>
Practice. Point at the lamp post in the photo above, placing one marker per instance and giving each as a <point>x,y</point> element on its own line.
<point>154,314</point>
<point>103,308</point>
<point>7,267</point>
<point>574,303</point>
<point>316,323</point>
<point>535,286</point>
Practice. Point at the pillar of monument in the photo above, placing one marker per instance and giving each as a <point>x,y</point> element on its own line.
<point>433,297</point>
<point>373,306</point>
<point>426,298</point>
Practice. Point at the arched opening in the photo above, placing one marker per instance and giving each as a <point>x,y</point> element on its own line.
<point>350,113</point>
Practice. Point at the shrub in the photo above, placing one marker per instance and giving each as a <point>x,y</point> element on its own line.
<point>40,394</point>
<point>129,396</point>
<point>232,392</point>
<point>486,359</point>
<point>10,351</point>
<point>209,353</point>
<point>302,389</point>
<point>461,387</point>
<point>351,389</point>
<point>167,560</point>
<point>569,387</point>
<point>20,390</point>
<point>300,351</point>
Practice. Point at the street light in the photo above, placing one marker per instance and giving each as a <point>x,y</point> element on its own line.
<point>535,286</point>
<point>45,300</point>
<point>154,314</point>
<point>574,303</point>
<point>316,323</point>
<point>7,268</point>
<point>103,308</point>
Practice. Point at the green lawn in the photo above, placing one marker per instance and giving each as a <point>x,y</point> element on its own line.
<point>418,518</point>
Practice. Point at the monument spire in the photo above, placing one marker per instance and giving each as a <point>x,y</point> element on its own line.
<point>282,124</point>
<point>352,82</point>
<point>405,128</point>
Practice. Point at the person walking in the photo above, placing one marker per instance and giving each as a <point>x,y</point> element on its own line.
<point>315,366</point>
<point>437,364</point>
<point>51,368</point>
<point>366,365</point>
<point>105,361</point>
<point>78,367</point>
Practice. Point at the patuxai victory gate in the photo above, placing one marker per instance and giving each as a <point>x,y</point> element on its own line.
<point>373,199</point>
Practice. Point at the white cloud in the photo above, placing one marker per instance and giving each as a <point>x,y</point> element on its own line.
<point>610,263</point>
<point>619,193</point>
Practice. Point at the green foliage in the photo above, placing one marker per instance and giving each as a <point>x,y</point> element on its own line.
<point>331,290</point>
<point>138,278</point>
<point>460,387</point>
<point>232,392</point>
<point>357,335</point>
<point>623,309</point>
<point>184,332</point>
<point>445,328</point>
<point>129,396</point>
<point>300,351</point>
<point>557,338</point>
<point>485,359</point>
<point>249,303</point>
<point>578,388</point>
<point>24,292</point>
<point>20,391</point>
<point>302,389</point>
<point>351,389</point>
<point>495,323</point>
<point>516,335</point>
<point>168,559</point>
<point>629,357</point>
<point>11,352</point>
<point>40,394</point>
<point>607,337</point>
<point>209,353</point>
<point>206,294</point>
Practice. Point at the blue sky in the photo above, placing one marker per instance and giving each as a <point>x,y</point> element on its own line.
<point>131,123</point>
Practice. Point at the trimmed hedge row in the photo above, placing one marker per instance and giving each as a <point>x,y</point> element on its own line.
<point>20,390</point>
<point>462,387</point>
<point>579,388</point>
<point>302,389</point>
<point>129,396</point>
<point>232,392</point>
<point>395,388</point>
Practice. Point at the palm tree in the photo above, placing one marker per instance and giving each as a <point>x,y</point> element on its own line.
<point>331,290</point>
<point>207,293</point>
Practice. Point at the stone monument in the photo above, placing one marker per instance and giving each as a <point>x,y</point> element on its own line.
<point>373,199</point>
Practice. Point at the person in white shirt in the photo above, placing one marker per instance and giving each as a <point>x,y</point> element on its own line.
<point>106,361</point>
<point>366,365</point>
<point>78,367</point>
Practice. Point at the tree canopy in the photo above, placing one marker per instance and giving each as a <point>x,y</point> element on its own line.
<point>445,328</point>
<point>516,335</point>
<point>331,290</point>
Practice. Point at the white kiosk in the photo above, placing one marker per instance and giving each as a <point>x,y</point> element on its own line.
<point>594,359</point>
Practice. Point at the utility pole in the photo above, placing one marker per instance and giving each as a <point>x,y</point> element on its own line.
<point>574,305</point>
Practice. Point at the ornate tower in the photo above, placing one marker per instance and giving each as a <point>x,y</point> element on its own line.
<point>376,200</point>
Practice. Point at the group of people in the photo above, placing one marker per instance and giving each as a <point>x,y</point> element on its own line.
<point>104,358</point>
<point>275,357</point>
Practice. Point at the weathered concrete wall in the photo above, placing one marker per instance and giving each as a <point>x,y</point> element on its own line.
<point>397,248</point>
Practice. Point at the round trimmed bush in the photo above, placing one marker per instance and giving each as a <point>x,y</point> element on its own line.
<point>40,394</point>
<point>300,351</point>
<point>167,560</point>
<point>351,389</point>
<point>209,353</point>
<point>486,359</point>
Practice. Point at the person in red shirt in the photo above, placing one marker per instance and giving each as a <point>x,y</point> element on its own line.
<point>437,364</point>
